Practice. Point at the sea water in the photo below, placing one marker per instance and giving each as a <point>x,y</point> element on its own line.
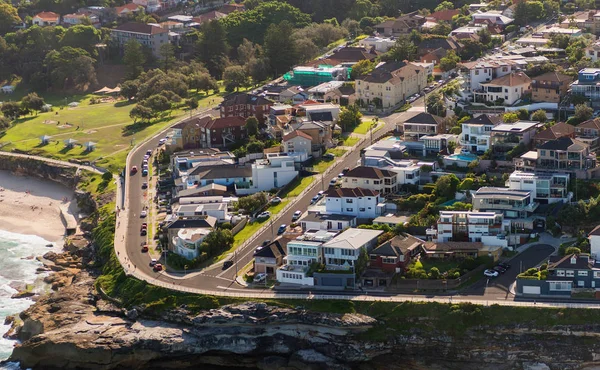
<point>17,269</point>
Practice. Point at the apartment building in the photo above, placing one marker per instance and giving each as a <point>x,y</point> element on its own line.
<point>357,202</point>
<point>246,105</point>
<point>512,203</point>
<point>544,188</point>
<point>372,178</point>
<point>509,89</point>
<point>483,71</point>
<point>550,87</point>
<point>216,210</point>
<point>297,142</point>
<point>147,35</point>
<point>342,252</point>
<point>477,131</point>
<point>423,124</point>
<point>221,132</point>
<point>589,132</point>
<point>390,84</point>
<point>506,136</point>
<point>565,153</point>
<point>557,131</point>
<point>587,84</point>
<point>488,228</point>
<point>275,171</point>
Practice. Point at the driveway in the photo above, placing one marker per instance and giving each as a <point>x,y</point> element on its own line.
<point>498,288</point>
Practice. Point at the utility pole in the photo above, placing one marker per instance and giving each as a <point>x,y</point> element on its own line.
<point>235,262</point>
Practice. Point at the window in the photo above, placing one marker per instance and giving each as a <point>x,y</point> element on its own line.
<point>542,153</point>
<point>349,201</point>
<point>580,283</point>
<point>390,260</point>
<point>560,272</point>
<point>349,209</point>
<point>570,273</point>
<point>582,273</point>
<point>361,209</point>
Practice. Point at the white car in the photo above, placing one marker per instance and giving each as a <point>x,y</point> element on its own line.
<point>260,277</point>
<point>265,214</point>
<point>490,273</point>
<point>143,214</point>
<point>162,141</point>
<point>276,200</point>
<point>333,182</point>
<point>321,193</point>
<point>296,215</point>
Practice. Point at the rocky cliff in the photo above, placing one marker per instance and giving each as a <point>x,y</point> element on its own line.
<point>32,167</point>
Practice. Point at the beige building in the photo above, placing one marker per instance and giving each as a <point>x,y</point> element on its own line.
<point>148,35</point>
<point>371,178</point>
<point>550,87</point>
<point>391,84</point>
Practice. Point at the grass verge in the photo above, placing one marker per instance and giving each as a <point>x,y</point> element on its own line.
<point>297,187</point>
<point>350,141</point>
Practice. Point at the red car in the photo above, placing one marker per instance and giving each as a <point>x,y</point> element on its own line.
<point>144,225</point>
<point>158,267</point>
<point>134,170</point>
<point>144,249</point>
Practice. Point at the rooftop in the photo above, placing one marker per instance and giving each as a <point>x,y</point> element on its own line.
<point>517,127</point>
<point>484,119</point>
<point>502,193</point>
<point>564,143</point>
<point>369,173</point>
<point>351,193</point>
<point>511,79</point>
<point>353,238</point>
<point>142,28</point>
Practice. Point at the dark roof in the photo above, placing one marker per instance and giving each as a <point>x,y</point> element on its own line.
<point>369,173</point>
<point>346,89</point>
<point>593,123</point>
<point>425,118</point>
<point>563,143</point>
<point>319,217</point>
<point>382,73</point>
<point>351,193</point>
<point>353,54</point>
<point>221,172</point>
<point>595,231</point>
<point>141,28</point>
<point>212,123</point>
<point>559,130</point>
<point>485,119</point>
<point>398,245</point>
<point>582,262</point>
<point>243,98</point>
<point>183,223</point>
<point>433,44</point>
<point>273,249</point>
<point>553,77</point>
<point>321,116</point>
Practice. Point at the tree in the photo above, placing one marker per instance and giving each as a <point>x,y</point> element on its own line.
<point>444,5</point>
<point>572,250</point>
<point>558,40</point>
<point>258,69</point>
<point>306,49</point>
<point>4,123</point>
<point>539,115</point>
<point>352,26</point>
<point>349,117</point>
<point>70,68</point>
<point>252,203</point>
<point>217,241</point>
<point>435,104</point>
<point>167,56</point>
<point>247,51</point>
<point>361,262</point>
<point>403,49</point>
<point>434,273</point>
<point>234,77</point>
<point>82,37</point>
<point>158,104</point>
<point>202,81</point>
<point>583,112</point>
<point>141,112</point>
<point>133,58</point>
<point>252,126</point>
<point>8,17</point>
<point>362,68</point>
<point>191,103</point>
<point>446,186</point>
<point>278,38</point>
<point>510,117</point>
<point>360,9</point>
<point>450,61</point>
<point>471,49</point>
<point>212,47</point>
<point>129,89</point>
<point>11,110</point>
<point>523,114</point>
<point>32,102</point>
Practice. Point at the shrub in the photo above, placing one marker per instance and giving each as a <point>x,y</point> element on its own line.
<point>107,176</point>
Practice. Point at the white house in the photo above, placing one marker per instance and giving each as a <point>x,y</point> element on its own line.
<point>508,88</point>
<point>493,17</point>
<point>486,227</point>
<point>381,44</point>
<point>594,238</point>
<point>188,241</point>
<point>358,202</point>
<point>297,142</point>
<point>275,171</point>
<point>342,252</point>
<point>46,19</point>
<point>476,132</point>
<point>408,171</point>
<point>216,210</point>
<point>333,222</point>
<point>483,71</point>
<point>545,188</point>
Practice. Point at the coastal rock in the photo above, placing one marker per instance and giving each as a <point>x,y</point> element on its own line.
<point>9,319</point>
<point>23,294</point>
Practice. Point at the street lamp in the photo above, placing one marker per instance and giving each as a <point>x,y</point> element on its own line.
<point>185,267</point>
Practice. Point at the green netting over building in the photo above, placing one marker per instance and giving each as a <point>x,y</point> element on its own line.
<point>312,76</point>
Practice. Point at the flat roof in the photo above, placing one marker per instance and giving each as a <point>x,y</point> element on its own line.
<point>353,238</point>
<point>502,193</point>
<point>519,126</point>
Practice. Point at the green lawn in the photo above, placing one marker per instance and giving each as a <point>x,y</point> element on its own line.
<point>323,164</point>
<point>297,187</point>
<point>351,141</point>
<point>442,264</point>
<point>363,128</point>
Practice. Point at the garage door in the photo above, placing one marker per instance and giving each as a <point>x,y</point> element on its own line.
<point>531,290</point>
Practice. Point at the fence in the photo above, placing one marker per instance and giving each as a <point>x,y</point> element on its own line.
<point>239,226</point>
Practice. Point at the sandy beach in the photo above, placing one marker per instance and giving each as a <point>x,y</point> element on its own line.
<point>31,206</point>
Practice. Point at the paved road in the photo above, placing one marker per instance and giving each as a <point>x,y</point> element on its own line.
<point>498,288</point>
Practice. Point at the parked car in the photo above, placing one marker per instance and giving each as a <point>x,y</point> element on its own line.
<point>144,172</point>
<point>265,242</point>
<point>315,199</point>
<point>143,214</point>
<point>153,262</point>
<point>143,231</point>
<point>227,264</point>
<point>260,277</point>
<point>134,170</point>
<point>146,157</point>
<point>296,215</point>
<point>162,141</point>
<point>144,185</point>
<point>320,193</point>
<point>144,249</point>
<point>505,266</point>
<point>265,214</point>
<point>346,170</point>
<point>149,152</point>
<point>157,267</point>
<point>333,182</point>
<point>328,156</point>
<point>500,269</point>
<point>490,273</point>
<point>276,200</point>
<point>340,175</point>
<point>281,229</point>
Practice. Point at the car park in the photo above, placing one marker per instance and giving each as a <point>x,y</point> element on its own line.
<point>490,273</point>
<point>296,215</point>
<point>227,264</point>
<point>158,267</point>
<point>143,214</point>
<point>281,229</point>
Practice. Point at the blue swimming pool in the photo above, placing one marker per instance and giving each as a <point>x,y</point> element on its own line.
<point>462,157</point>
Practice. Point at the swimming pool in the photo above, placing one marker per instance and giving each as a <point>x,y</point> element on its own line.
<point>462,157</point>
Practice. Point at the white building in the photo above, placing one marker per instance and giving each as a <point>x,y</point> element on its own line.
<point>408,171</point>
<point>476,132</point>
<point>342,252</point>
<point>297,141</point>
<point>275,171</point>
<point>594,238</point>
<point>313,110</point>
<point>333,222</point>
<point>486,227</point>
<point>188,241</point>
<point>544,188</point>
<point>358,202</point>
<point>216,210</point>
<point>482,71</point>
<point>495,18</point>
<point>512,203</point>
<point>372,178</point>
<point>381,44</point>
<point>509,88</point>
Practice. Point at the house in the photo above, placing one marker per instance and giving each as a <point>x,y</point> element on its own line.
<point>495,18</point>
<point>557,131</point>
<point>509,89</point>
<point>318,92</point>
<point>185,235</point>
<point>434,144</point>
<point>342,252</point>
<point>372,178</point>
<point>344,95</point>
<point>330,222</point>
<point>232,7</point>
<point>460,250</point>
<point>565,154</point>
<point>151,6</point>
<point>593,52</point>
<point>483,71</point>
<point>390,84</point>
<point>476,132</point>
<point>594,239</point>
<point>467,32</point>
<point>220,132</point>
<point>432,44</point>
<point>402,25</point>
<point>422,124</point>
<point>284,93</point>
<point>587,19</point>
<point>545,188</point>
<point>297,142</point>
<point>357,202</point>
<point>551,30</point>
<point>270,257</point>
<point>587,85</point>
<point>183,161</point>
<point>127,9</point>
<point>321,135</point>
<point>223,175</point>
<point>409,171</point>
<point>245,105</point>
<point>434,56</point>
<point>488,228</point>
<point>347,55</point>
<point>274,172</point>
<point>147,35</point>
<point>445,15</point>
<point>566,275</point>
<point>380,44</point>
<point>396,254</point>
<point>589,133</point>
<point>550,87</point>
<point>216,210</point>
<point>203,191</point>
<point>46,19</point>
<point>322,112</point>
<point>515,204</point>
<point>506,136</point>
<point>391,220</point>
<point>210,16</point>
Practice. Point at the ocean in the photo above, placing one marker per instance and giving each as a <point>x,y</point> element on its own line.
<point>17,271</point>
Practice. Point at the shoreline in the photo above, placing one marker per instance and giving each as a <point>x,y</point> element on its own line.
<point>32,206</point>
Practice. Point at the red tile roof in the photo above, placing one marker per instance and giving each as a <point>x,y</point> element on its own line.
<point>351,193</point>
<point>295,133</point>
<point>47,16</point>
